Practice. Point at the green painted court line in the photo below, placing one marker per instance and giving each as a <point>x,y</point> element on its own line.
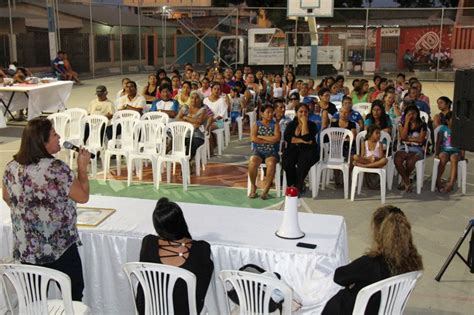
<point>211,195</point>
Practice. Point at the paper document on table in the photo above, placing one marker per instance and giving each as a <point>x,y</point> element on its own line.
<point>92,217</point>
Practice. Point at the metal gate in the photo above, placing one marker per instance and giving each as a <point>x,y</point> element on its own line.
<point>390,39</point>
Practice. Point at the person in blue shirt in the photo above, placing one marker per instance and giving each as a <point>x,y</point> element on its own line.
<point>354,116</point>
<point>58,66</point>
<point>313,116</point>
<point>378,117</point>
<point>166,104</point>
<point>413,94</point>
<point>446,152</point>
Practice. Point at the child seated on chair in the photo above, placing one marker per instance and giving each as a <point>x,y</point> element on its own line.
<point>445,152</point>
<point>372,153</point>
<point>236,105</point>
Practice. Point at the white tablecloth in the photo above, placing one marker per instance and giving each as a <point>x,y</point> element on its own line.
<point>238,236</point>
<point>49,97</point>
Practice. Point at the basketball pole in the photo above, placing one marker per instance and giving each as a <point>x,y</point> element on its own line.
<point>313,29</point>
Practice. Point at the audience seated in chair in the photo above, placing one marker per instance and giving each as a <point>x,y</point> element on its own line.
<point>372,153</point>
<point>195,114</point>
<point>174,246</point>
<point>392,253</point>
<point>447,153</point>
<point>265,136</point>
<point>413,136</point>
<point>301,151</point>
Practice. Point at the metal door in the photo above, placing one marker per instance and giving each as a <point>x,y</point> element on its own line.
<point>388,53</point>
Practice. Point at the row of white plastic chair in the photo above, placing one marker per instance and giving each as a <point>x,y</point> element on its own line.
<point>254,291</point>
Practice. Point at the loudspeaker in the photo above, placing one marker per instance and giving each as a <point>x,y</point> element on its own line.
<point>463,110</point>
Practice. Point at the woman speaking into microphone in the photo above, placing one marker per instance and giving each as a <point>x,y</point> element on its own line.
<point>42,192</point>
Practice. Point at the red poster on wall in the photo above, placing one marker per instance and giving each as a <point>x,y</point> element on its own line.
<point>421,40</point>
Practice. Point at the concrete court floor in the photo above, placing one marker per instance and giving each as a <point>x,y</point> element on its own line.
<point>437,220</point>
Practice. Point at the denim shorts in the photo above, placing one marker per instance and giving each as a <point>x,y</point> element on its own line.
<point>234,116</point>
<point>266,154</point>
<point>417,149</point>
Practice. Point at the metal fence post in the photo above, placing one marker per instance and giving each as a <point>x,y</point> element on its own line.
<point>139,37</point>
<point>440,43</point>
<point>91,41</point>
<point>120,39</point>
<point>366,35</point>
<point>13,52</point>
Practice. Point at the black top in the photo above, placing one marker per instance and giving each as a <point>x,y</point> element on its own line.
<point>290,133</point>
<point>199,263</point>
<point>332,109</point>
<point>152,93</point>
<point>350,126</point>
<point>358,274</point>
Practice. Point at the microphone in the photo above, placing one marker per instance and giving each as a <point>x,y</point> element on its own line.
<point>68,145</point>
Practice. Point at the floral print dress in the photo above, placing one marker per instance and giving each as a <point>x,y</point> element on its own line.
<point>43,217</point>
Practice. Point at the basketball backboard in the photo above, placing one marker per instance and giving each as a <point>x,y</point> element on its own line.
<point>310,8</point>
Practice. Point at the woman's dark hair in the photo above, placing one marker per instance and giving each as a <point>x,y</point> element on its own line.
<point>413,108</point>
<point>358,89</point>
<point>169,222</point>
<point>354,82</point>
<point>214,83</point>
<point>370,131</point>
<point>339,77</point>
<point>447,117</point>
<point>383,117</point>
<point>160,71</point>
<point>447,100</point>
<point>323,90</point>
<point>165,80</point>
<point>165,87</point>
<point>323,83</point>
<point>33,140</point>
<point>125,79</point>
<point>382,80</point>
<point>333,84</point>
<point>186,82</point>
<point>401,75</point>
<point>265,107</point>
<point>302,105</point>
<point>287,81</point>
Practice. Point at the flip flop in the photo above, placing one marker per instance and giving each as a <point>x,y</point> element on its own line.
<point>253,195</point>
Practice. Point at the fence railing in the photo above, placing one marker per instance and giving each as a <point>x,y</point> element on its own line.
<point>110,38</point>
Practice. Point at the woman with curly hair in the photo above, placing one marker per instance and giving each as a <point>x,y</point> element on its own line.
<point>392,253</point>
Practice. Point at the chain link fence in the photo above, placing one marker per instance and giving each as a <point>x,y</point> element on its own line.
<point>108,38</point>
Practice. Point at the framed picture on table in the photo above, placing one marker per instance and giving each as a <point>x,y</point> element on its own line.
<point>92,217</point>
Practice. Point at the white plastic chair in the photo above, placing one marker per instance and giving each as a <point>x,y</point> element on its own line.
<point>333,158</point>
<point>158,282</point>
<point>219,139</point>
<point>362,108</point>
<point>359,171</point>
<point>254,291</point>
<point>227,132</point>
<point>338,104</point>
<point>252,118</point>
<point>76,125</point>
<point>462,168</point>
<point>125,113</point>
<point>60,123</point>
<point>394,291</point>
<point>124,147</point>
<point>290,113</point>
<point>160,116</point>
<point>419,165</point>
<point>148,138</point>
<point>240,127</point>
<point>179,154</point>
<point>425,117</point>
<point>31,286</point>
<point>94,142</point>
